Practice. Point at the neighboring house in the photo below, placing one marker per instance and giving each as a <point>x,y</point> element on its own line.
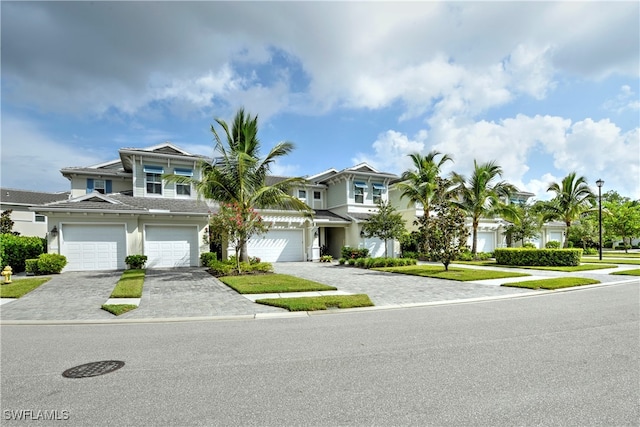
<point>124,207</point>
<point>25,221</point>
<point>341,201</point>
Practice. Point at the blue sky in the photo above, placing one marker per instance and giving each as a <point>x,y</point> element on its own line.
<point>542,88</point>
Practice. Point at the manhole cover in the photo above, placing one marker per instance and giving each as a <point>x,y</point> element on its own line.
<point>93,369</point>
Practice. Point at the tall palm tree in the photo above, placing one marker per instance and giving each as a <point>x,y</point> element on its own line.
<point>573,198</point>
<point>480,197</point>
<point>419,184</point>
<point>239,174</point>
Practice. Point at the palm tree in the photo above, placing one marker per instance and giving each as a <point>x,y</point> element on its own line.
<point>238,175</point>
<point>419,184</point>
<point>480,197</point>
<point>573,198</point>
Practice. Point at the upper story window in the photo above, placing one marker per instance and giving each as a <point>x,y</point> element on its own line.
<point>40,218</point>
<point>377,192</point>
<point>102,186</point>
<point>153,179</point>
<point>317,195</point>
<point>183,189</point>
<point>302,194</point>
<point>359,191</point>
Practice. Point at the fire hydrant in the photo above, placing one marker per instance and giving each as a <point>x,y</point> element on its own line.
<point>7,275</point>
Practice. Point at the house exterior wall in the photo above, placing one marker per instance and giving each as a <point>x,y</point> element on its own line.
<point>24,221</point>
<point>79,184</point>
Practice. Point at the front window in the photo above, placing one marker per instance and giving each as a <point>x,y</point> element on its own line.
<point>377,192</point>
<point>154,183</point>
<point>183,189</point>
<point>359,191</point>
<point>99,186</point>
<point>302,194</point>
<point>317,195</point>
<point>40,218</point>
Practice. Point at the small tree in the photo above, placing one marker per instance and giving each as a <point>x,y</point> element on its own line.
<point>238,225</point>
<point>446,232</point>
<point>584,232</point>
<point>621,219</point>
<point>524,225</point>
<point>385,224</point>
<point>6,224</point>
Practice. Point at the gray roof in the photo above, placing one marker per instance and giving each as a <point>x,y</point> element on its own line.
<point>120,202</point>
<point>12,196</point>
<point>325,215</point>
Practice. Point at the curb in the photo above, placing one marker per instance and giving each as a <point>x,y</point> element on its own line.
<point>300,314</point>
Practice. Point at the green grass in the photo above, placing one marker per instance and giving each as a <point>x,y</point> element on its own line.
<point>555,283</point>
<point>635,272</point>
<point>272,283</point>
<point>129,285</point>
<point>318,303</point>
<point>619,254</point>
<point>20,287</point>
<point>461,274</point>
<point>118,309</point>
<point>595,260</point>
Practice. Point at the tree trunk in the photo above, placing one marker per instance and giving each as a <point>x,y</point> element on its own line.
<point>244,254</point>
<point>474,244</point>
<point>565,244</point>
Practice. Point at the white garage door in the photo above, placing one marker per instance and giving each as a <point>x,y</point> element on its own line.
<point>486,241</point>
<point>171,246</point>
<point>93,247</point>
<point>376,247</point>
<point>277,246</point>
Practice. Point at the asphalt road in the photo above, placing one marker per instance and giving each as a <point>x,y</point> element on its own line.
<point>569,358</point>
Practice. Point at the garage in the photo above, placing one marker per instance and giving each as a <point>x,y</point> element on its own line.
<point>486,241</point>
<point>277,246</point>
<point>90,247</point>
<point>171,246</point>
<point>376,247</point>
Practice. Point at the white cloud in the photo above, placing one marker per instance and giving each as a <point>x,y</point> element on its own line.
<point>391,150</point>
<point>30,159</point>
<point>625,100</point>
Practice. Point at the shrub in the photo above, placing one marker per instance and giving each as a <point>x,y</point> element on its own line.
<point>219,269</point>
<point>530,245</point>
<point>590,251</point>
<point>341,261</point>
<point>353,253</point>
<point>51,263</point>
<point>326,258</point>
<point>622,247</point>
<point>360,262</point>
<point>552,245</point>
<point>254,260</point>
<point>15,250</point>
<point>31,266</point>
<point>538,257</point>
<point>207,257</point>
<point>136,262</point>
<point>351,261</point>
<point>409,254</point>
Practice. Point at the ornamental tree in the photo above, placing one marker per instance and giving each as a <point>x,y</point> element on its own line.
<point>385,224</point>
<point>238,225</point>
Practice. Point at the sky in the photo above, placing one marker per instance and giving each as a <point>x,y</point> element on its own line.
<point>541,88</point>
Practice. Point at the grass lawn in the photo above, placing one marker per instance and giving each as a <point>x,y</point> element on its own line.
<point>595,260</point>
<point>588,265</point>
<point>272,283</point>
<point>635,272</point>
<point>118,309</point>
<point>556,283</point>
<point>129,285</point>
<point>20,287</point>
<point>461,274</point>
<point>318,303</point>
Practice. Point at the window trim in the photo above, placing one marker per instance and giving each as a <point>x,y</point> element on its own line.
<point>302,191</point>
<point>154,183</point>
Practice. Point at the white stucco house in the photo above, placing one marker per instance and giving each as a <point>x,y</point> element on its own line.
<point>126,207</point>
<point>26,221</point>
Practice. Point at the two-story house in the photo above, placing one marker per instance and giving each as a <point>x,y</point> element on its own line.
<point>125,207</point>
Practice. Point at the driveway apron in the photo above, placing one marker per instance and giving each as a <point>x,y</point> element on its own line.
<point>68,296</point>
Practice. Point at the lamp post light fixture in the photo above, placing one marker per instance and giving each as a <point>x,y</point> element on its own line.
<point>600,183</point>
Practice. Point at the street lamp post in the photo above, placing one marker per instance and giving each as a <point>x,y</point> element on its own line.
<point>600,183</point>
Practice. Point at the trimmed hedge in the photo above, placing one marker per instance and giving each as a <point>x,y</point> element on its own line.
<point>353,253</point>
<point>15,250</point>
<point>207,257</point>
<point>538,257</point>
<point>383,262</point>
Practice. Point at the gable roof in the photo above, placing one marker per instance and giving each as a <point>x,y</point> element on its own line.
<point>118,202</point>
<point>12,196</point>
